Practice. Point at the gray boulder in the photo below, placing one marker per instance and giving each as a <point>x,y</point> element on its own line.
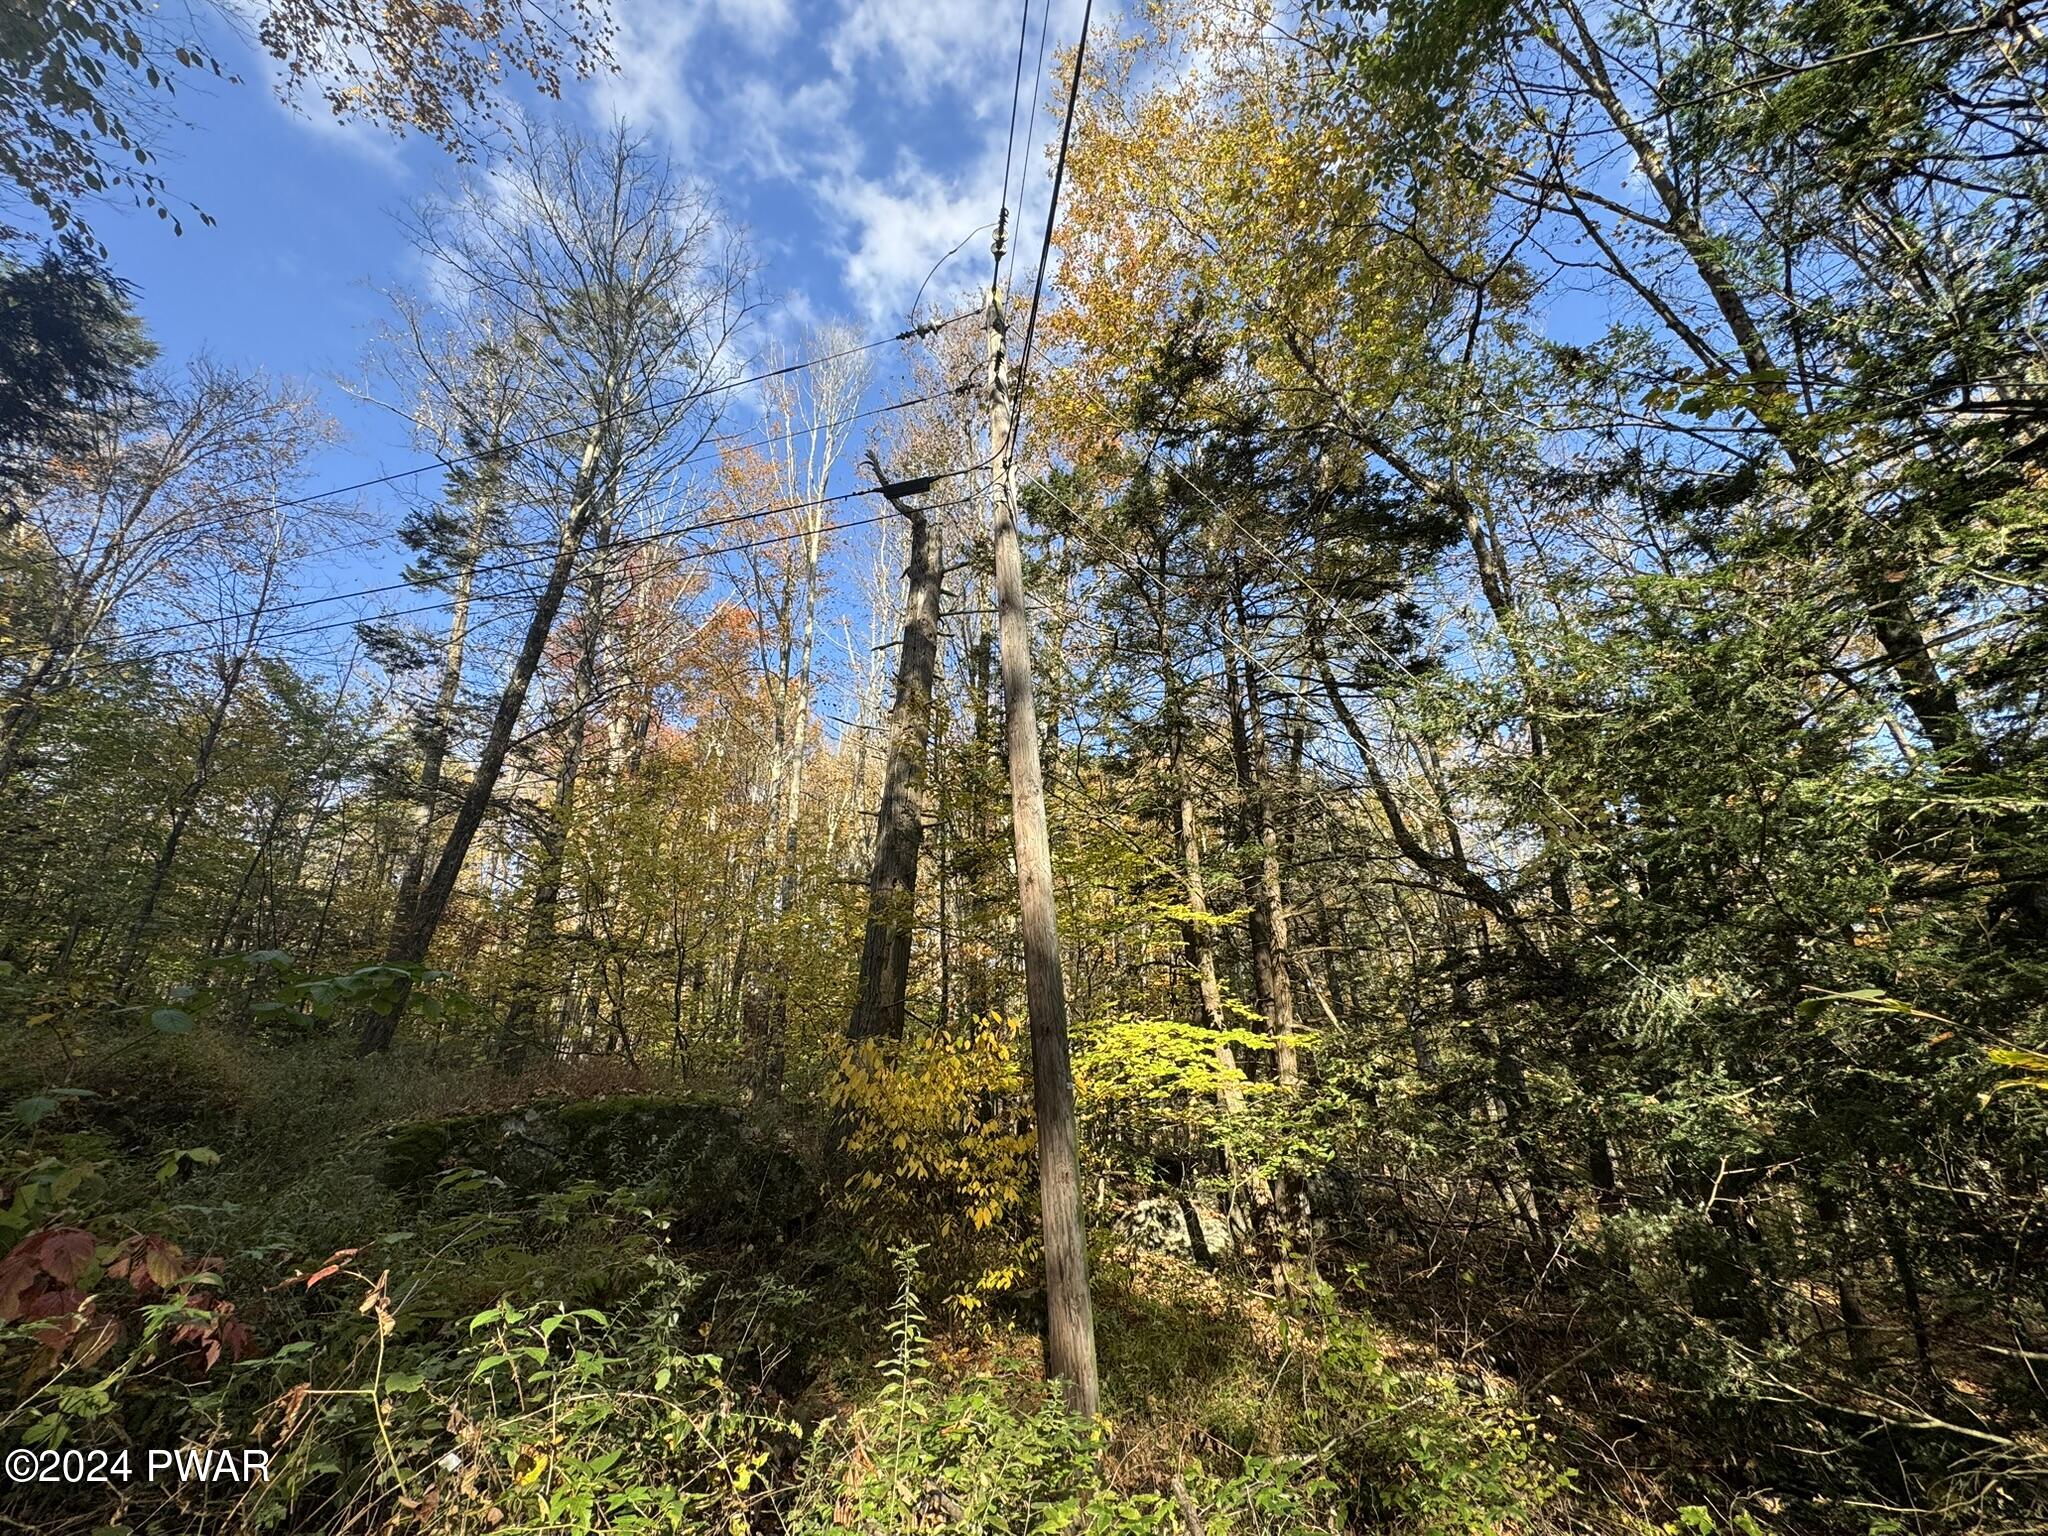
<point>1179,1225</point>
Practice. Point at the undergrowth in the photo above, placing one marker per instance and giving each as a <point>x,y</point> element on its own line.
<point>470,1353</point>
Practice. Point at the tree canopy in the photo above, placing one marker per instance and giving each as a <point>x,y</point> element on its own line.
<point>1399,887</point>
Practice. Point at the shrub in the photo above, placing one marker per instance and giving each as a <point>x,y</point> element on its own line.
<point>1416,1452</point>
<point>936,1133</point>
<point>994,1455</point>
<point>527,1419</point>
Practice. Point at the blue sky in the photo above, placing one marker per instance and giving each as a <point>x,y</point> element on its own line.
<point>857,140</point>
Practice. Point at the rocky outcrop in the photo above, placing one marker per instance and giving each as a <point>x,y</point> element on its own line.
<point>1180,1225</point>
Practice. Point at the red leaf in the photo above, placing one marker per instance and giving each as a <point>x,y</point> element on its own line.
<point>68,1311</point>
<point>55,1302</point>
<point>17,1270</point>
<point>67,1253</point>
<point>332,1267</point>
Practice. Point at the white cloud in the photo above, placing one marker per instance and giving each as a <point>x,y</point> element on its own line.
<point>888,116</point>
<point>894,229</point>
<point>925,46</point>
<point>669,51</point>
<point>957,58</point>
<point>790,133</point>
<point>308,109</point>
<point>371,142</point>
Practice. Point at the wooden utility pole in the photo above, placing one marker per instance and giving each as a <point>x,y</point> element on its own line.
<point>1069,1312</point>
<point>899,823</point>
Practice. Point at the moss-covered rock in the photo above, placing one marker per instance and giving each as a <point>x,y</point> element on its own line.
<point>717,1176</point>
<point>414,1153</point>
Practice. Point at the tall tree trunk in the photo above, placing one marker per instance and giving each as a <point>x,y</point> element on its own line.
<point>1269,909</point>
<point>410,946</point>
<point>1200,944</point>
<point>18,723</point>
<point>441,729</point>
<point>260,856</point>
<point>1899,630</point>
<point>799,731</point>
<point>274,828</point>
<point>1198,937</point>
<point>1070,1312</point>
<point>977,982</point>
<point>517,1036</point>
<point>181,818</point>
<point>899,823</point>
<point>67,635</point>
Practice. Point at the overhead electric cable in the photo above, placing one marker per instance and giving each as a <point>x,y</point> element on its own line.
<point>438,604</point>
<point>605,547</point>
<point>1037,74</point>
<point>1016,92</point>
<point>1052,206</point>
<point>909,333</point>
<point>1300,578</point>
<point>955,251</point>
<point>158,631</point>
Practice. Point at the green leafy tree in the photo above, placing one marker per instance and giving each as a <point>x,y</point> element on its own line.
<point>88,87</point>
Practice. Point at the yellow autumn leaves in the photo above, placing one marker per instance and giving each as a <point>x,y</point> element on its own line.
<point>1214,191</point>
<point>938,1133</point>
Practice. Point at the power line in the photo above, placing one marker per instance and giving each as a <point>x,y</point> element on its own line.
<point>1016,91</point>
<point>955,251</point>
<point>682,558</point>
<point>1135,568</point>
<point>1051,209</point>
<point>1336,610</point>
<point>1255,665</point>
<point>358,618</point>
<point>1037,74</point>
<point>157,632</point>
<point>678,560</point>
<point>496,567</point>
<point>714,442</point>
<point>2004,17</point>
<point>108,662</point>
<point>909,333</point>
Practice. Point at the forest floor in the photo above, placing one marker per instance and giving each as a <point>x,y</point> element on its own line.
<point>319,1196</point>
